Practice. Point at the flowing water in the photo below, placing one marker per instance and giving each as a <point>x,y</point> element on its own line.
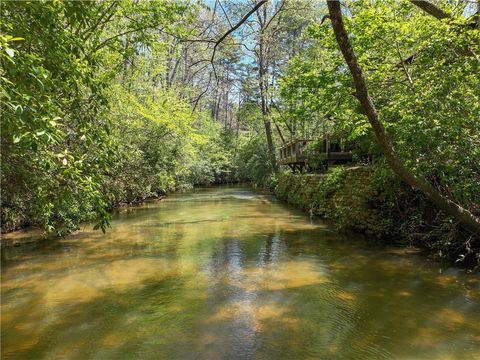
<point>226,273</point>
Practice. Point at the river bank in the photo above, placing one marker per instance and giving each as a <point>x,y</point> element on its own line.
<point>350,198</point>
<point>30,234</point>
<point>354,199</point>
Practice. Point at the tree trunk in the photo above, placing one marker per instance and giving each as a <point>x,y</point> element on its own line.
<point>266,117</point>
<point>465,217</point>
<point>263,84</point>
<point>431,9</point>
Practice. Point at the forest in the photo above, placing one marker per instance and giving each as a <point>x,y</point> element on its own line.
<point>240,179</point>
<point>106,103</point>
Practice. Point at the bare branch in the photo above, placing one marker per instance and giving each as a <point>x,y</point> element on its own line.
<point>110,39</point>
<point>225,13</point>
<point>202,93</point>
<point>87,33</point>
<point>237,25</point>
<point>274,15</point>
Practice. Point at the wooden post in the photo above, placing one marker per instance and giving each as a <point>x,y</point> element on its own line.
<point>327,150</point>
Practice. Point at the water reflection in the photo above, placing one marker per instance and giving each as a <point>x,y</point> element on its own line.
<point>229,274</point>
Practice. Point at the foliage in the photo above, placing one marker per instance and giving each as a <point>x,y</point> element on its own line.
<point>54,137</point>
<point>423,77</point>
<point>82,130</point>
<point>252,161</point>
<point>415,221</point>
<point>315,154</point>
<point>431,106</point>
<point>162,146</point>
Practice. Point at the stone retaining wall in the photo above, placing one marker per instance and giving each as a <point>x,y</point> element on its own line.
<point>345,195</point>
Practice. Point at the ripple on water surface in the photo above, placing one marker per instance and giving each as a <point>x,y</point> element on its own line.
<point>227,273</point>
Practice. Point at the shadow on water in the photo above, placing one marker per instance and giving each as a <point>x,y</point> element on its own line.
<point>236,277</point>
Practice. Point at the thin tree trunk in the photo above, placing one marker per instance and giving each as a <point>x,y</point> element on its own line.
<point>238,114</point>
<point>216,106</point>
<point>226,97</point>
<point>465,217</point>
<point>262,74</point>
<point>266,117</point>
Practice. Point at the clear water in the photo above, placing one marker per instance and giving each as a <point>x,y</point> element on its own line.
<point>226,273</point>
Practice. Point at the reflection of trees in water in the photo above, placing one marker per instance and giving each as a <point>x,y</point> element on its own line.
<point>229,326</point>
<point>270,249</point>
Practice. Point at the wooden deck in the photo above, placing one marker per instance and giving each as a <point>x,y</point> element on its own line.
<point>293,152</point>
<point>293,155</point>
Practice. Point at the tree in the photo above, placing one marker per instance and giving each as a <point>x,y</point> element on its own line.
<point>468,220</point>
<point>64,65</point>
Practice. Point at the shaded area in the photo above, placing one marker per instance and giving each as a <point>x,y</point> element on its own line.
<point>230,274</point>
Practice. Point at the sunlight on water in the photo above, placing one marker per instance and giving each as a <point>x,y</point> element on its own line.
<point>226,273</point>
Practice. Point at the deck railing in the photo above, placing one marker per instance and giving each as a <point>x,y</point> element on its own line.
<point>293,154</point>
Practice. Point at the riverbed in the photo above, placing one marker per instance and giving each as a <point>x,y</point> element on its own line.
<point>229,273</point>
